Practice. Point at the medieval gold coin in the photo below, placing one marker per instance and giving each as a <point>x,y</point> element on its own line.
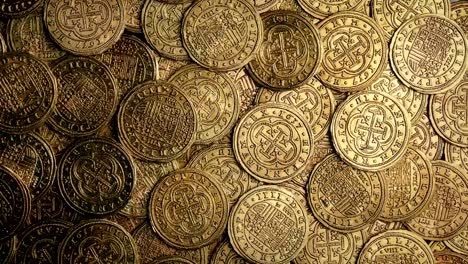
<point>96,176</point>
<point>355,51</point>
<point>343,198</point>
<point>429,53</point>
<point>459,14</point>
<point>459,243</point>
<point>225,254</point>
<point>398,245</point>
<point>85,27</point>
<point>268,225</point>
<point>18,8</point>
<point>457,155</point>
<point>157,122</point>
<point>325,8</point>
<point>188,209</point>
<point>273,142</point>
<point>445,257</point>
<point>172,260</point>
<point>371,130</point>
<point>222,35</point>
<point>446,214</point>
<point>290,53</point>
<point>133,12</point>
<point>424,138</point>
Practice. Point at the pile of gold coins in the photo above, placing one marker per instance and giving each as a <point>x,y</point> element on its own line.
<point>234,131</point>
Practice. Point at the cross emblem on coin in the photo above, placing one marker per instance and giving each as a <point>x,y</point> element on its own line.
<point>275,142</point>
<point>307,104</point>
<point>348,52</point>
<point>99,178</point>
<point>86,17</point>
<point>460,108</point>
<point>333,244</point>
<point>406,8</point>
<point>206,102</point>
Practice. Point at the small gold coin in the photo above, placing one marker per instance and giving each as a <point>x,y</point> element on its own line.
<point>18,8</point>
<point>225,254</point>
<point>424,138</point>
<point>355,51</point>
<point>290,53</point>
<point>446,214</point>
<point>457,155</point>
<point>429,53</point>
<point>371,130</point>
<point>133,13</point>
<point>273,142</point>
<point>459,243</point>
<point>325,8</point>
<point>268,225</point>
<point>343,198</point>
<point>401,245</point>
<point>222,35</point>
<point>459,14</point>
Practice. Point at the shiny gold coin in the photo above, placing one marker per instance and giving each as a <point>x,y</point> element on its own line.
<point>459,243</point>
<point>268,225</point>
<point>172,260</point>
<point>18,8</point>
<point>379,227</point>
<point>290,53</point>
<point>355,51</point>
<point>133,13</point>
<point>449,258</point>
<point>167,67</point>
<point>429,53</point>
<point>459,14</point>
<point>293,5</point>
<point>273,142</point>
<point>222,34</point>
<point>247,91</point>
<point>447,214</point>
<point>343,198</point>
<point>457,155</point>
<point>325,8</point>
<point>225,254</point>
<point>399,245</point>
<point>263,6</point>
<point>371,130</point>
<point>85,27</point>
<point>424,138</point>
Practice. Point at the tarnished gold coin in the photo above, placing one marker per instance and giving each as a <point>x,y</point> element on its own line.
<point>172,260</point>
<point>225,254</point>
<point>28,92</point>
<point>429,53</point>
<point>290,53</point>
<point>459,14</point>
<point>459,243</point>
<point>457,155</point>
<point>133,14</point>
<point>371,130</point>
<point>268,225</point>
<point>273,142</point>
<point>98,241</point>
<point>215,98</point>
<point>85,27</point>
<point>18,8</point>
<point>397,245</point>
<point>162,28</point>
<point>222,35</point>
<point>410,185</point>
<point>325,8</point>
<point>188,209</point>
<point>446,214</point>
<point>449,258</point>
<point>355,51</point>
<point>343,198</point>
<point>157,122</point>
<point>424,138</point>
<point>390,15</point>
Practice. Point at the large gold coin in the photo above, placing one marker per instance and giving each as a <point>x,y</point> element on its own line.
<point>457,155</point>
<point>429,53</point>
<point>398,245</point>
<point>447,213</point>
<point>273,142</point>
<point>343,198</point>
<point>325,8</point>
<point>424,138</point>
<point>290,53</point>
<point>355,52</point>
<point>371,130</point>
<point>268,225</point>
<point>459,14</point>
<point>459,243</point>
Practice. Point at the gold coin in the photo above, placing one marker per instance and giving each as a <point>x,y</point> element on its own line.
<point>459,243</point>
<point>18,8</point>
<point>459,14</point>
<point>225,254</point>
<point>268,225</point>
<point>429,53</point>
<point>172,260</point>
<point>167,67</point>
<point>446,214</point>
<point>133,13</point>
<point>247,91</point>
<point>325,8</point>
<point>343,198</point>
<point>390,15</point>
<point>222,35</point>
<point>457,155</point>
<point>215,98</point>
<point>355,51</point>
<point>424,138</point>
<point>293,5</point>
<point>263,6</point>
<point>85,27</point>
<point>365,8</point>
<point>378,227</point>
<point>449,258</point>
<point>410,185</point>
<point>290,53</point>
<point>399,246</point>
<point>371,130</point>
<point>273,142</point>
<point>57,141</point>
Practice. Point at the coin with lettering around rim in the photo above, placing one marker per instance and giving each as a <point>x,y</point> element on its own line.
<point>424,138</point>
<point>446,257</point>
<point>225,254</point>
<point>133,11</point>
<point>325,8</point>
<point>459,243</point>
<point>290,53</point>
<point>172,260</point>
<point>263,6</point>
<point>459,13</point>
<point>222,35</point>
<point>355,52</point>
<point>18,8</point>
<point>96,176</point>
<point>378,227</point>
<point>457,155</point>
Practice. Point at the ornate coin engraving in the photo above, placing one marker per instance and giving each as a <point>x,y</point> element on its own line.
<point>133,13</point>
<point>18,8</point>
<point>457,155</point>
<point>325,8</point>
<point>459,14</point>
<point>424,138</point>
<point>226,254</point>
<point>459,243</point>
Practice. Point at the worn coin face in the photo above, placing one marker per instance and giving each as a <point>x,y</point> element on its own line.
<point>85,27</point>
<point>28,92</point>
<point>459,243</point>
<point>87,96</point>
<point>189,209</point>
<point>157,122</point>
<point>400,245</point>
<point>225,254</point>
<point>325,8</point>
<point>457,155</point>
<point>355,51</point>
<point>222,34</point>
<point>446,214</point>
<point>133,14</point>
<point>268,225</point>
<point>371,130</point>
<point>98,241</point>
<point>424,138</point>
<point>290,53</point>
<point>18,8</point>
<point>273,142</point>
<point>96,176</point>
<point>215,98</point>
<point>445,257</point>
<point>429,53</point>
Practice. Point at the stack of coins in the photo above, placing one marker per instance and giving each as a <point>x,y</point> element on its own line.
<point>234,131</point>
